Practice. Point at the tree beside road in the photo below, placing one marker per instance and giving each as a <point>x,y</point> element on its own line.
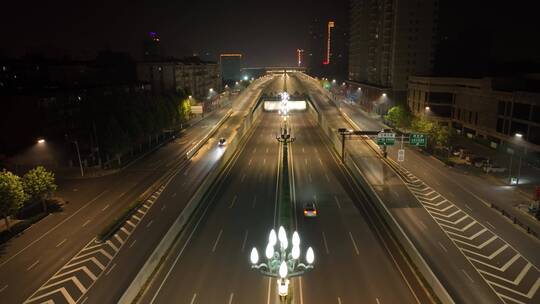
<point>12,195</point>
<point>39,185</point>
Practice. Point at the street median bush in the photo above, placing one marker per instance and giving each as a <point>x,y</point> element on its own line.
<point>118,221</point>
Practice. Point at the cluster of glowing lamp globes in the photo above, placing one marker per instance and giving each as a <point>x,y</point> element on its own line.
<point>284,110</point>
<point>285,259</point>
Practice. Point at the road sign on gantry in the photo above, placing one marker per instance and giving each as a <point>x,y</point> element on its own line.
<point>386,138</point>
<point>419,140</point>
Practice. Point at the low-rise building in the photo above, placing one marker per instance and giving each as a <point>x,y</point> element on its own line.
<point>190,75</point>
<point>503,112</point>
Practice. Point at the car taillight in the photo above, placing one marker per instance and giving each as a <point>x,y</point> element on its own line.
<point>305,212</point>
<point>315,212</point>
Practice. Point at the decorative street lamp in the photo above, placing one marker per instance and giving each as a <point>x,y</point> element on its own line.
<point>284,262</point>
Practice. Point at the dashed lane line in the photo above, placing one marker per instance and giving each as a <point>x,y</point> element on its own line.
<point>61,243</point>
<point>217,241</point>
<point>32,266</point>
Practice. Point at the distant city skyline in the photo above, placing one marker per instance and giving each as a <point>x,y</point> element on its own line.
<point>265,35</point>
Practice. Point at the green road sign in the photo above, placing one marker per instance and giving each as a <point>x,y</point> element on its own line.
<point>419,140</point>
<point>386,139</point>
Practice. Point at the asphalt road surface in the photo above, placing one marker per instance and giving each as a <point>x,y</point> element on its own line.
<point>32,259</point>
<point>211,264</point>
<point>475,261</point>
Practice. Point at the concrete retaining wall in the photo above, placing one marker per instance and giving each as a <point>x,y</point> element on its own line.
<point>401,236</point>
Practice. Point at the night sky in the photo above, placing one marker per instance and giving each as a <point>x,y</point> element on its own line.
<point>266,32</point>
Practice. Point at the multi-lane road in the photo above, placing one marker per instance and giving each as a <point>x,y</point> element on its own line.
<point>211,264</point>
<point>29,261</point>
<point>479,256</point>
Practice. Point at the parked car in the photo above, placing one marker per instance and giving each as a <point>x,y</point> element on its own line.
<point>456,151</point>
<point>479,161</point>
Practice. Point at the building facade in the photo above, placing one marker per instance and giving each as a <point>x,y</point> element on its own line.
<point>191,75</point>
<point>491,109</point>
<point>230,67</point>
<point>390,41</point>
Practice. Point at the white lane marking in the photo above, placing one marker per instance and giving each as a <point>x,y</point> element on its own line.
<point>442,246</point>
<point>217,241</point>
<point>354,244</point>
<point>254,150</point>
<point>325,243</point>
<point>339,300</point>
<point>320,161</point>
<point>86,223</point>
<point>233,201</point>
<point>337,202</point>
<point>305,161</point>
<point>266,150</point>
<point>193,298</point>
<point>310,179</point>
<point>301,291</point>
<point>423,225</point>
<point>467,206</point>
<point>105,208</point>
<point>269,288</point>
<point>149,224</point>
<point>467,275</point>
<point>264,161</point>
<point>62,242</point>
<point>33,265</point>
<point>377,300</point>
<point>244,242</point>
<point>163,208</point>
<point>4,288</point>
<point>254,202</point>
<point>132,243</point>
<point>249,164</point>
<point>327,178</point>
<point>243,178</point>
<point>303,150</point>
<point>110,269</point>
<point>489,224</point>
<point>84,300</point>
<point>231,297</point>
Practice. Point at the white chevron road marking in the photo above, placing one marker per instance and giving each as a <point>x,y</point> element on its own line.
<point>517,280</point>
<point>62,290</point>
<point>491,256</point>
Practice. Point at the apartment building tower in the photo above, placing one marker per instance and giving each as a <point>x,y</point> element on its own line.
<point>391,40</point>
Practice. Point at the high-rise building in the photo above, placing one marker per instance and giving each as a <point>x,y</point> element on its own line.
<point>391,40</point>
<point>315,52</point>
<point>329,39</point>
<point>151,47</point>
<point>230,67</point>
<point>299,57</point>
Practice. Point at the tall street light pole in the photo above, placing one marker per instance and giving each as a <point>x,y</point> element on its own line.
<point>79,156</point>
